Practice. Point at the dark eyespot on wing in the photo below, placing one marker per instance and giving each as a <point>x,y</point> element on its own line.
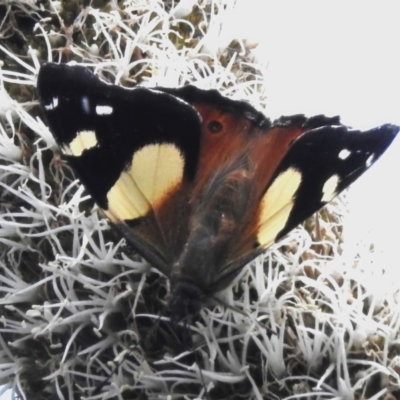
<point>214,126</point>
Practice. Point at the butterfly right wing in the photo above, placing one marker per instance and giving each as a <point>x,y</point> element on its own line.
<point>318,166</point>
<point>324,159</point>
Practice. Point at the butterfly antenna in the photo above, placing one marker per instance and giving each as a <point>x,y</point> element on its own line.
<point>245,314</point>
<point>98,389</point>
<point>197,358</point>
<point>106,381</point>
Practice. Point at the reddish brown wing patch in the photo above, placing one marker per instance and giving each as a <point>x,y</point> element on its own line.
<point>230,139</point>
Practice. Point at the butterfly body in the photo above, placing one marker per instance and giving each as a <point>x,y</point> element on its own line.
<point>199,184</point>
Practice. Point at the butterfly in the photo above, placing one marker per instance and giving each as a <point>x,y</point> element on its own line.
<point>199,184</point>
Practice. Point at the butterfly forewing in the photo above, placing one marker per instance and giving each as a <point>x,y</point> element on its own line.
<point>132,149</point>
<point>316,168</point>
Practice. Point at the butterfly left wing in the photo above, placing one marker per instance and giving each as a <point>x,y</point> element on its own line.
<point>135,151</point>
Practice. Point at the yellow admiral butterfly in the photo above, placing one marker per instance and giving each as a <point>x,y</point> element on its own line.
<point>199,184</point>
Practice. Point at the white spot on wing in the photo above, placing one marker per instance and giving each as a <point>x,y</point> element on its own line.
<point>85,104</point>
<point>370,160</point>
<point>329,189</point>
<point>84,140</point>
<point>104,110</point>
<point>52,105</point>
<point>344,154</point>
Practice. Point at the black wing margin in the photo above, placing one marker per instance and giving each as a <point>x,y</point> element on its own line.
<point>325,161</point>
